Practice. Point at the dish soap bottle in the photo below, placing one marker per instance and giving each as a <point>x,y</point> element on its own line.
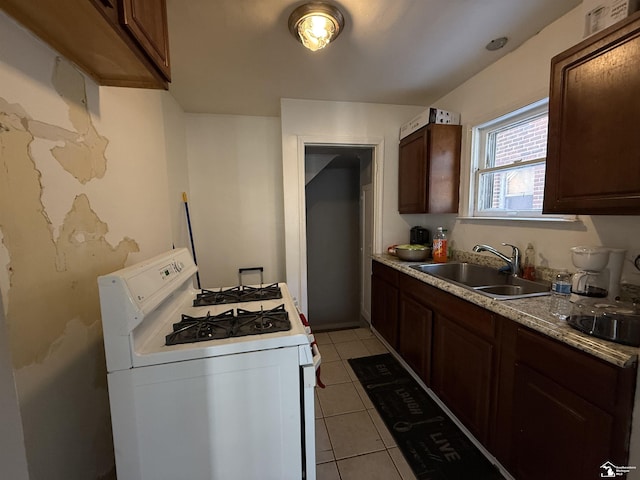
<point>529,269</point>
<point>440,246</point>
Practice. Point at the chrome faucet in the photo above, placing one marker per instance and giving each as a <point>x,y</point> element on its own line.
<point>513,262</point>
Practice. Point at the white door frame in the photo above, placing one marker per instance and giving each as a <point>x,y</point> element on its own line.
<point>366,219</point>
<point>377,143</point>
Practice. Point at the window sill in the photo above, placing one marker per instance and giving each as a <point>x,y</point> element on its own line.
<point>565,219</point>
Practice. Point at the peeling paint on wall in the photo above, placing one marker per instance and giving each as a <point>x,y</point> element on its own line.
<point>49,285</point>
<point>83,152</point>
<point>63,272</point>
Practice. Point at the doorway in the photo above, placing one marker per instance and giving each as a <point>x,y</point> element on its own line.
<point>339,218</point>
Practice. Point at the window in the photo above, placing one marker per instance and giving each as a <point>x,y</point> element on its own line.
<point>508,163</point>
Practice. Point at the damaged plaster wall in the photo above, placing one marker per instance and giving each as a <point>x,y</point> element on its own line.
<point>65,267</point>
<point>55,338</point>
<point>83,192</point>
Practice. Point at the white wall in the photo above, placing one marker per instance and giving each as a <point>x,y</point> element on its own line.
<point>235,179</point>
<point>133,195</point>
<point>177,167</point>
<point>310,121</point>
<point>519,79</point>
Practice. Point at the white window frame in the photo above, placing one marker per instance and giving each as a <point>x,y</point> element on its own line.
<point>479,153</point>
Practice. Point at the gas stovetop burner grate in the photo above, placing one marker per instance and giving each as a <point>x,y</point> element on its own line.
<point>242,293</point>
<point>199,329</point>
<point>220,297</point>
<point>263,292</point>
<point>227,325</point>
<point>262,321</point>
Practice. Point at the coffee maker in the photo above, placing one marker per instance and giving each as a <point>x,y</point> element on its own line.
<point>598,273</point>
<point>591,280</point>
<point>597,277</point>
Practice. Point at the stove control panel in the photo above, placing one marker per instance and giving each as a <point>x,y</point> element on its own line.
<point>155,277</point>
<point>171,270</point>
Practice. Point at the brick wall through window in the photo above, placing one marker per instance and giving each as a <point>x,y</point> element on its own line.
<point>520,142</point>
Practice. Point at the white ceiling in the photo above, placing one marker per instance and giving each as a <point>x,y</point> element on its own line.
<point>238,57</point>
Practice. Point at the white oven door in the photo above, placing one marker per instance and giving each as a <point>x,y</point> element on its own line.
<point>229,417</point>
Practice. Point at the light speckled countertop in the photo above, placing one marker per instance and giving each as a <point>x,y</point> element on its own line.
<point>532,312</point>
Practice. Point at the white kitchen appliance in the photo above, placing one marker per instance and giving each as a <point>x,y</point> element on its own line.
<point>201,392</point>
<point>599,272</point>
<point>590,280</point>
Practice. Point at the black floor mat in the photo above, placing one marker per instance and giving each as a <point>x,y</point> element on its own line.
<point>434,447</point>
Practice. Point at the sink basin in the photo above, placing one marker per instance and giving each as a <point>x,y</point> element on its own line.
<point>466,273</point>
<point>485,280</point>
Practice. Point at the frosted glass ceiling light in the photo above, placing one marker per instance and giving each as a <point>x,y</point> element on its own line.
<point>316,24</point>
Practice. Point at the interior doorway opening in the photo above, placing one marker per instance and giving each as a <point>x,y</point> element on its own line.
<point>339,205</point>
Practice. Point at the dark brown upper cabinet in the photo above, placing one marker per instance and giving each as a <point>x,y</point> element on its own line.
<point>429,170</point>
<point>122,43</point>
<point>593,152</point>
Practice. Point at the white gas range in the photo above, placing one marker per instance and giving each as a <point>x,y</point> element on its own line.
<point>222,391</point>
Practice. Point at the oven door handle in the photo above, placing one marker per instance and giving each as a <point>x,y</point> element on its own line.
<point>317,358</point>
<point>309,419</point>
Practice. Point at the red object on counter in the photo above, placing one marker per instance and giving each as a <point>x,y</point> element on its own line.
<point>439,250</point>
<point>529,268</point>
<point>529,272</point>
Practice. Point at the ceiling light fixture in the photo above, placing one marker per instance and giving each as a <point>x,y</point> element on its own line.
<point>316,24</point>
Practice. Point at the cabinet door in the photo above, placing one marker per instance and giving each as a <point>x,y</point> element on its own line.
<point>443,143</point>
<point>593,160</point>
<point>384,310</point>
<point>462,375</point>
<point>91,35</point>
<point>429,170</point>
<point>557,434</point>
<point>146,20</point>
<point>414,336</point>
<point>412,173</point>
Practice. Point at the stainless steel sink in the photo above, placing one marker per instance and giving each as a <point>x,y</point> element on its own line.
<point>485,280</point>
<point>466,273</point>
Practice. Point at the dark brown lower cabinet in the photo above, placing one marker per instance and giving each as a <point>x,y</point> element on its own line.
<point>544,409</point>
<point>569,407</point>
<point>556,433</point>
<point>384,302</point>
<point>414,336</point>
<point>463,374</point>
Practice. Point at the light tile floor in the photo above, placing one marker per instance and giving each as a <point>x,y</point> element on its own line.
<point>352,442</point>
